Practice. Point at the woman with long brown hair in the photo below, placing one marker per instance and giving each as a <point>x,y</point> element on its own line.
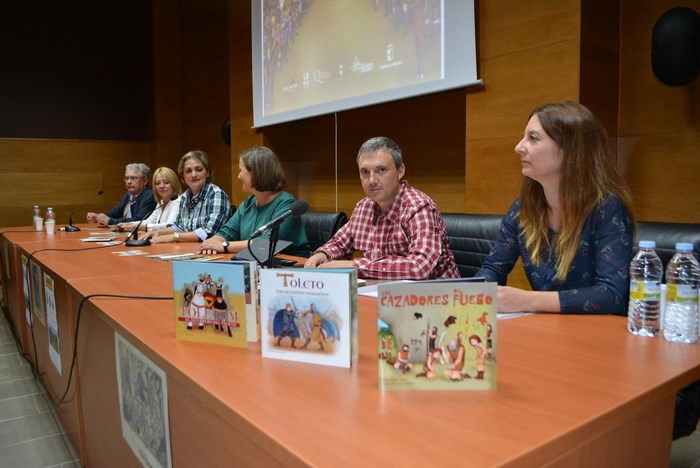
<point>572,224</point>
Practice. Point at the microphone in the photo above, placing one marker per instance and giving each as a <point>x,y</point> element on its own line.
<point>295,209</point>
<point>132,240</point>
<point>70,227</point>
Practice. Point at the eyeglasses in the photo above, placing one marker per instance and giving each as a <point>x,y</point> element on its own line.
<point>132,178</point>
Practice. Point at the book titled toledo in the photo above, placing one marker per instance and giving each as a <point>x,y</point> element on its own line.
<point>437,335</point>
<point>210,302</point>
<point>309,315</point>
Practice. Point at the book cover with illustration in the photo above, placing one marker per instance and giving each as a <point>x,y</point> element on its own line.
<point>437,335</point>
<point>252,311</point>
<point>309,315</point>
<point>210,302</point>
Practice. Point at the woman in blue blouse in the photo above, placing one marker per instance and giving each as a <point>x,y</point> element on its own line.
<point>204,207</point>
<point>572,224</point>
<point>262,176</point>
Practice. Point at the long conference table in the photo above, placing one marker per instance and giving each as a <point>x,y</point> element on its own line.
<point>572,390</point>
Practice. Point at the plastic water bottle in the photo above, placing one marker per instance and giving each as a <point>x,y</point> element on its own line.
<point>682,279</point>
<point>50,221</point>
<point>36,215</point>
<point>646,270</point>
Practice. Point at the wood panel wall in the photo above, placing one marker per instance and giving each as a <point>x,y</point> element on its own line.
<point>63,174</point>
<point>167,85</point>
<point>205,94</point>
<point>191,83</point>
<point>659,136</point>
<point>240,87</point>
<point>528,55</point>
<point>190,102</point>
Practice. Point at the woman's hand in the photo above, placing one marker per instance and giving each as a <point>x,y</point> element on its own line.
<point>212,245</point>
<point>511,299</point>
<point>518,300</point>
<point>122,227</point>
<point>150,235</point>
<point>163,239</point>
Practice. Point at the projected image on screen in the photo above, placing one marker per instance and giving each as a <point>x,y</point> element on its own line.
<point>307,60</point>
<point>319,56</point>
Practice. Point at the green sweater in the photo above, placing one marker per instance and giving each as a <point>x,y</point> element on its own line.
<point>249,217</point>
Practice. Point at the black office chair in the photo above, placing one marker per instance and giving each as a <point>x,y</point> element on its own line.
<point>321,225</point>
<point>666,235</point>
<point>471,238</point>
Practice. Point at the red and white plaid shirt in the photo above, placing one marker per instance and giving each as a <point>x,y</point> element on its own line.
<point>408,242</point>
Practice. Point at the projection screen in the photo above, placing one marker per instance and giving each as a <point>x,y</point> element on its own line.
<point>314,57</point>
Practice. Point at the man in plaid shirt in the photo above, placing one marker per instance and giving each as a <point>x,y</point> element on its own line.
<point>398,229</point>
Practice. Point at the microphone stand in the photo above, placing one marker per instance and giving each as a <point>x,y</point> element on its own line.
<point>135,241</point>
<point>132,240</point>
<point>70,227</point>
<point>274,237</point>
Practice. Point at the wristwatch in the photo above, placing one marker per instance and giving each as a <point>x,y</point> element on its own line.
<point>225,244</point>
<point>176,237</point>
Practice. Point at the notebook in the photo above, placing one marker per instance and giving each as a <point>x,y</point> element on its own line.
<point>261,248</point>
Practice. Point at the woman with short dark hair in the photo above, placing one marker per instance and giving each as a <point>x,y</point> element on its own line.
<point>261,175</point>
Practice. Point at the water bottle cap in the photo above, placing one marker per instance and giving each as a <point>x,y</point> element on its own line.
<point>647,244</point>
<point>684,246</point>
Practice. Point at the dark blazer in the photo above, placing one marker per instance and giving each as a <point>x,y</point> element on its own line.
<point>145,203</point>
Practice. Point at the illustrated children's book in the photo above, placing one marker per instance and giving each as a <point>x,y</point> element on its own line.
<point>210,302</point>
<point>309,315</point>
<point>252,311</point>
<point>437,335</point>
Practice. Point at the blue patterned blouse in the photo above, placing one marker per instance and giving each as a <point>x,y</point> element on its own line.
<point>598,280</point>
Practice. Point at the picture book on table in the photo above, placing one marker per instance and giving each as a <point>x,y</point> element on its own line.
<point>252,311</point>
<point>309,316</point>
<point>437,335</point>
<point>210,302</point>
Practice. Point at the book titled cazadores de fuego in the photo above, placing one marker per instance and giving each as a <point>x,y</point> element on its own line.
<point>309,315</point>
<point>437,335</point>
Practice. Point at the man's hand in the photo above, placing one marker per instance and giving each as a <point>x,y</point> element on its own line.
<point>337,264</point>
<point>102,219</point>
<point>316,260</point>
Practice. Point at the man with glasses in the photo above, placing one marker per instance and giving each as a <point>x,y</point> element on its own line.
<point>137,202</point>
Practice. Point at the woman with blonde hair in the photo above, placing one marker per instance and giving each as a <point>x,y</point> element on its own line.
<point>572,224</point>
<point>167,191</point>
